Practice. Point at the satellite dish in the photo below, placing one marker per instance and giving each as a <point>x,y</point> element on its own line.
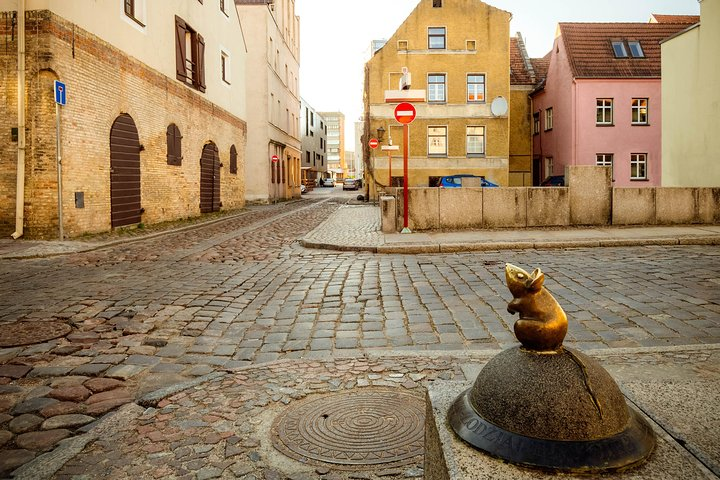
<point>499,107</point>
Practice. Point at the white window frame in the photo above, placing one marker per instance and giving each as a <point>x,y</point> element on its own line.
<point>225,61</point>
<point>603,109</point>
<point>638,161</point>
<point>474,87</point>
<point>481,144</point>
<point>619,49</point>
<point>444,138</point>
<point>637,111</point>
<point>433,91</point>
<point>435,35</point>
<point>636,50</point>
<point>548,119</point>
<point>139,18</point>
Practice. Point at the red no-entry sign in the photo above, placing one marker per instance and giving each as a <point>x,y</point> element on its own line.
<point>275,158</point>
<point>405,113</point>
<point>373,143</point>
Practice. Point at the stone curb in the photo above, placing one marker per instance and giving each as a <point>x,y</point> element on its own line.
<point>419,248</point>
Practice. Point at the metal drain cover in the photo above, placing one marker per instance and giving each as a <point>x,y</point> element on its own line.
<point>354,430</point>
<point>28,333</point>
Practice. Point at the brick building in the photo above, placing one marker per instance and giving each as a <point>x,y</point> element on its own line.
<point>153,129</point>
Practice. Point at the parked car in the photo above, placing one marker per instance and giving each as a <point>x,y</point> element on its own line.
<point>350,184</point>
<point>554,181</point>
<point>328,182</point>
<point>455,181</point>
<point>303,189</point>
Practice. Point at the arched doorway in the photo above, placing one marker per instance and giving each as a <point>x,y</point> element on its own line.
<point>125,206</point>
<point>209,179</point>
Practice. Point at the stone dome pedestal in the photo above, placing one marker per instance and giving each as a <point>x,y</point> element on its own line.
<point>557,411</point>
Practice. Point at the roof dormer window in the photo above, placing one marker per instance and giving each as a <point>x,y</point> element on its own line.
<point>635,49</point>
<point>619,49</point>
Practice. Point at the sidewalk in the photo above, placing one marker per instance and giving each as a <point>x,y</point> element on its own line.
<point>357,227</point>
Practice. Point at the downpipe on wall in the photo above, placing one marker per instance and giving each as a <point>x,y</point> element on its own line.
<point>20,195</point>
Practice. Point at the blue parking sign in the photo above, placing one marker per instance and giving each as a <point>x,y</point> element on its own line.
<point>60,93</point>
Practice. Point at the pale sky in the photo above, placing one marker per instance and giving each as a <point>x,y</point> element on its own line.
<point>335,38</point>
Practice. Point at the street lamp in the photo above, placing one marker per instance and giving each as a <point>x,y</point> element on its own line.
<point>380,133</point>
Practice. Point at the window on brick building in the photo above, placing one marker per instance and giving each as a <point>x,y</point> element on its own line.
<point>437,141</point>
<point>174,145</point>
<point>189,55</point>
<point>475,141</point>
<point>233,160</point>
<point>436,87</point>
<point>536,123</point>
<point>475,88</point>
<point>436,37</point>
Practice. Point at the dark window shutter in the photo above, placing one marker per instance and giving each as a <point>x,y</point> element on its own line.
<point>200,63</point>
<point>283,169</point>
<point>174,145</point>
<point>180,49</point>
<point>178,146</point>
<point>233,159</point>
<point>170,134</point>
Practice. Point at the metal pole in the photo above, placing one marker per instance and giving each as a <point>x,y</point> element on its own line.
<point>406,138</point>
<point>59,170</point>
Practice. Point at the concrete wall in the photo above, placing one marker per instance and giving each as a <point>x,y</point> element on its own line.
<point>548,207</point>
<point>633,206</point>
<point>520,207</point>
<point>590,194</point>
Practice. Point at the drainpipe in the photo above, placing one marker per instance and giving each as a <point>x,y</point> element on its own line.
<point>20,196</point>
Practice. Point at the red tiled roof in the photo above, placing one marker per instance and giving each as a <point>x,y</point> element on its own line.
<point>684,19</point>
<point>591,55</point>
<point>541,66</point>
<point>519,73</point>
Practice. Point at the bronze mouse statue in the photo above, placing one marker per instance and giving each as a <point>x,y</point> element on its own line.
<point>543,324</point>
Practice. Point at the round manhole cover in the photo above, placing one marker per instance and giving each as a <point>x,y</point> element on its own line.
<point>27,333</point>
<point>353,430</point>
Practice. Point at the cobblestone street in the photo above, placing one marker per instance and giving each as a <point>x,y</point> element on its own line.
<point>242,291</point>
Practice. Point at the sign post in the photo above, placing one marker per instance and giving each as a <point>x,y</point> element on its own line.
<point>405,113</point>
<point>60,99</point>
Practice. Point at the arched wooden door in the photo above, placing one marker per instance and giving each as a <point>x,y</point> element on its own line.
<point>210,179</point>
<point>125,206</point>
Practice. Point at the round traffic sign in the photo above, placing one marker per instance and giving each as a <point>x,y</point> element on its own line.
<point>275,158</point>
<point>405,113</point>
<point>373,143</point>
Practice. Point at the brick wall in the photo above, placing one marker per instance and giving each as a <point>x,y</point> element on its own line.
<point>102,83</point>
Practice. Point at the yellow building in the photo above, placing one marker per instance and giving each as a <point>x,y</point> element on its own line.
<point>457,53</point>
<point>691,102</point>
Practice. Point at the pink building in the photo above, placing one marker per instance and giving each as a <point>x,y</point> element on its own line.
<point>600,101</point>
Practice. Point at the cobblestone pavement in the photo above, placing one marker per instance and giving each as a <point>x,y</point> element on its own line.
<point>242,292</point>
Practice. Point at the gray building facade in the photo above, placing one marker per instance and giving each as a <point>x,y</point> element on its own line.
<point>314,143</point>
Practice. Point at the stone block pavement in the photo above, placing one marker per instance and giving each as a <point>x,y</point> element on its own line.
<point>256,321</point>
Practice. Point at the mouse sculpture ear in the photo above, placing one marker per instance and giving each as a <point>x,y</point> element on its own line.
<point>535,282</point>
